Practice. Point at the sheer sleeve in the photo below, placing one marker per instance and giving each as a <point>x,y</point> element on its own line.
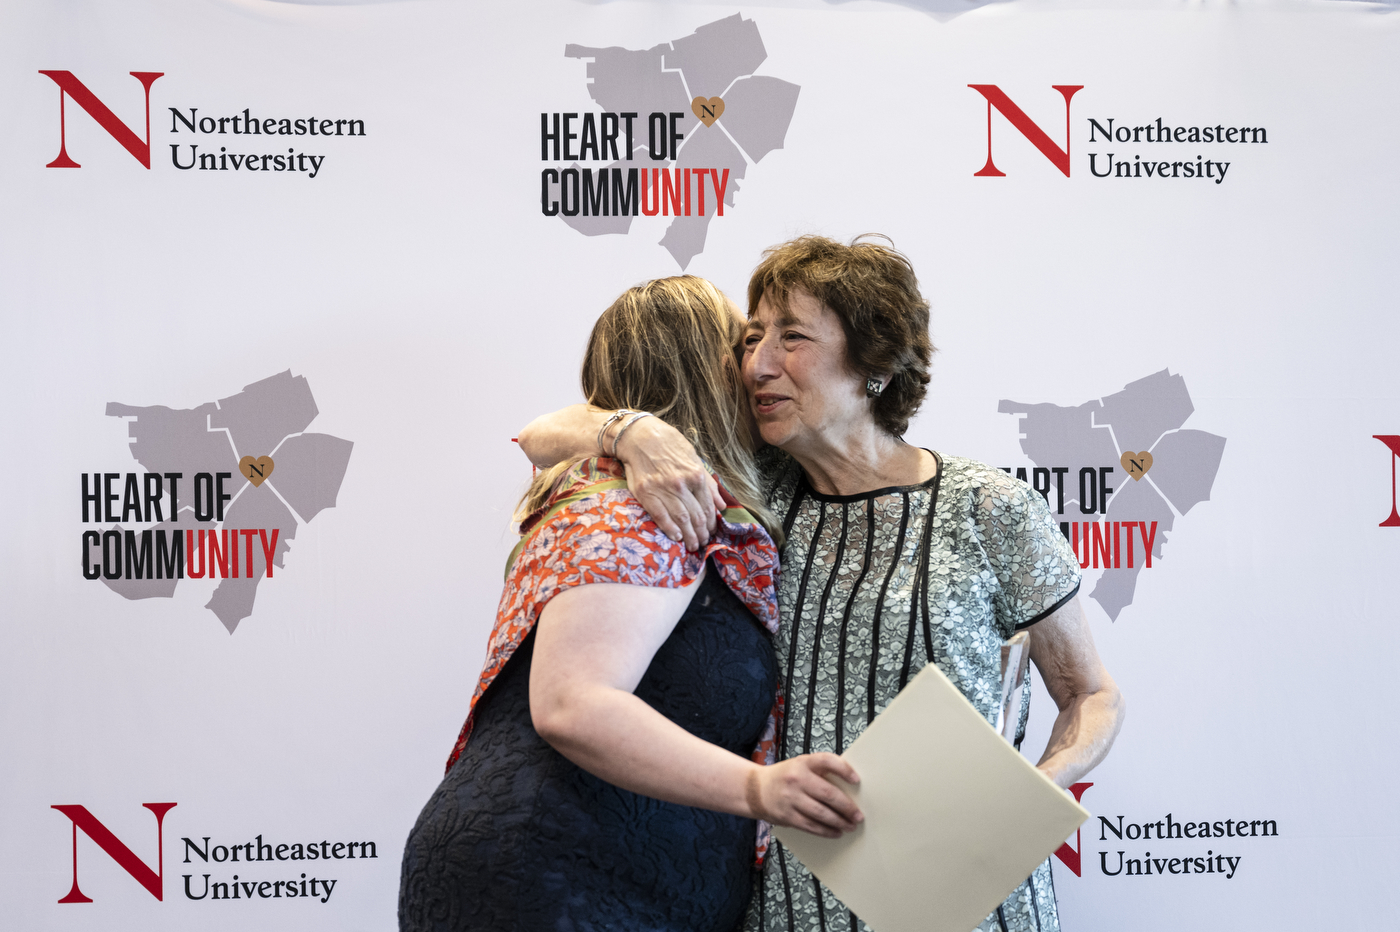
<point>1035,568</point>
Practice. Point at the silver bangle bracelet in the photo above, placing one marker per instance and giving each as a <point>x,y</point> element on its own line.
<point>617,415</point>
<point>622,430</point>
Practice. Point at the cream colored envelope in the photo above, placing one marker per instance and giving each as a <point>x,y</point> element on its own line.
<point>955,817</point>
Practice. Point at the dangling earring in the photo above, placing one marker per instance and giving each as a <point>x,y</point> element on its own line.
<point>873,387</point>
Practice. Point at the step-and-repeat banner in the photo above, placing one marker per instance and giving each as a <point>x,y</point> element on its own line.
<point>282,281</point>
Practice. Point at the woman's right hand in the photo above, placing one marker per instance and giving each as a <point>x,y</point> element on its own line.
<point>796,793</point>
<point>670,481</point>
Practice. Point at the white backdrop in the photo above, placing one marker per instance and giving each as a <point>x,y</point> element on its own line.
<point>432,310</point>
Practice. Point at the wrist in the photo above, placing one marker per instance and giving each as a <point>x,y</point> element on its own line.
<point>634,434</point>
<point>753,791</point>
<point>611,427</point>
<point>634,417</point>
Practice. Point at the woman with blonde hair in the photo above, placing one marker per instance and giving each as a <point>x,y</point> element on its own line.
<point>608,775</point>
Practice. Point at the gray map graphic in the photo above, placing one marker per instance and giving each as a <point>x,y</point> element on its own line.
<point>717,60</point>
<point>267,418</point>
<point>1147,415</point>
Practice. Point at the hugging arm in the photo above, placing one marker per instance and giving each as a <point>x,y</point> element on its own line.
<point>593,644</point>
<point>1091,706</point>
<point>663,470</point>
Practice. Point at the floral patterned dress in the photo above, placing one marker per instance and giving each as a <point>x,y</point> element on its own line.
<point>874,587</point>
<point>518,837</point>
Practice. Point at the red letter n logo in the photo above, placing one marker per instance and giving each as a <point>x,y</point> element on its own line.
<point>69,86</point>
<point>1393,442</point>
<point>995,98</point>
<point>1065,853</point>
<point>152,880</point>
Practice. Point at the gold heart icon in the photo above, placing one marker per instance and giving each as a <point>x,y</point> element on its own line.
<point>1136,464</point>
<point>256,469</point>
<point>707,110</point>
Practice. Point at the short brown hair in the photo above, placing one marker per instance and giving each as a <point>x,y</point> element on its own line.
<point>871,288</point>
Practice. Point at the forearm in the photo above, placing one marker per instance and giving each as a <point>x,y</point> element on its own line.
<point>617,737</point>
<point>567,434</point>
<point>1083,733</point>
<point>663,470</point>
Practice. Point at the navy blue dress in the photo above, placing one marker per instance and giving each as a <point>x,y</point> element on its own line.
<point>518,838</point>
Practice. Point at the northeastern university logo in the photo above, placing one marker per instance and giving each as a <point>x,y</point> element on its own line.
<point>1141,147</point>
<point>680,124</point>
<point>225,487</point>
<point>1188,843</point>
<point>250,140</point>
<point>247,867</point>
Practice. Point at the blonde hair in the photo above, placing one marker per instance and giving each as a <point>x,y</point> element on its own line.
<point>670,346</point>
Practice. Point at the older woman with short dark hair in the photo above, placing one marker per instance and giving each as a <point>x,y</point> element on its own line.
<point>875,297</point>
<point>896,557</point>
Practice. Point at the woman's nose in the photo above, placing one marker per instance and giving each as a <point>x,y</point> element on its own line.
<point>761,362</point>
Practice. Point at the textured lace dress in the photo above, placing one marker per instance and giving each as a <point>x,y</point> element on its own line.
<point>518,838</point>
<point>874,587</point>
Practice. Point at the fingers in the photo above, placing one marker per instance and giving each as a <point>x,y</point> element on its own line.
<point>833,764</point>
<point>678,515</point>
<point>709,494</point>
<point>716,498</point>
<point>832,797</point>
<point>810,816</point>
<point>671,482</point>
<point>797,794</point>
<point>689,535</point>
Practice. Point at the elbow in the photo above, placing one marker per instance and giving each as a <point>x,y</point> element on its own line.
<point>548,722</point>
<point>1112,707</point>
<point>531,443</point>
<point>553,720</point>
<point>1119,705</point>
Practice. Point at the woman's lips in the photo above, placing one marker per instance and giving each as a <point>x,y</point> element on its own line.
<point>767,403</point>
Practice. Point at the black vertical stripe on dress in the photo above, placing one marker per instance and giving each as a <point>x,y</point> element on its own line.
<point>928,544</point>
<point>836,561</point>
<point>1001,919</point>
<point>921,557</point>
<point>880,607</point>
<point>763,895</point>
<point>1035,900</point>
<point>919,570</point>
<point>845,621</point>
<point>793,508</point>
<point>787,886</point>
<point>797,619</point>
<point>920,598</point>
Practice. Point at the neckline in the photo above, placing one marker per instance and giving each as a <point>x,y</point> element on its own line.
<point>930,484</point>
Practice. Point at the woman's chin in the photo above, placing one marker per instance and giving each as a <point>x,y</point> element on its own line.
<point>775,433</point>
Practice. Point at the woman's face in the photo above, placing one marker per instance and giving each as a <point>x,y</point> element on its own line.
<point>801,390</point>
